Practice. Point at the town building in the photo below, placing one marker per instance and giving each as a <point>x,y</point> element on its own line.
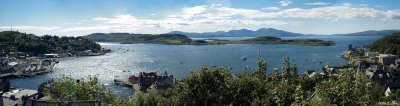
<point>387,59</point>
<point>370,54</point>
<point>146,80</point>
<point>379,76</point>
<point>163,82</point>
<point>133,79</point>
<point>159,82</point>
<point>17,97</point>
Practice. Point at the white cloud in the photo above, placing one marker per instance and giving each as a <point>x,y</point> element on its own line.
<point>29,28</point>
<point>341,12</point>
<point>216,17</point>
<point>207,18</point>
<point>285,3</point>
<point>100,18</point>
<point>317,3</point>
<point>364,5</point>
<point>344,11</point>
<point>152,14</point>
<point>271,8</point>
<point>188,13</point>
<point>347,4</point>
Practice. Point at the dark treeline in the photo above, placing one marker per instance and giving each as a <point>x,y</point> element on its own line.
<point>389,44</point>
<point>12,41</point>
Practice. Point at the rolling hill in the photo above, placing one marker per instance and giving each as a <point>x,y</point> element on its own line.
<point>276,33</point>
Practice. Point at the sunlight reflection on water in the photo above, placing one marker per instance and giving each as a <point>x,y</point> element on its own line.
<point>129,59</point>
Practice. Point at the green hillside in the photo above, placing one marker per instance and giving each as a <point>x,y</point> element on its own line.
<point>139,38</point>
<point>180,39</point>
<point>12,41</point>
<point>389,44</point>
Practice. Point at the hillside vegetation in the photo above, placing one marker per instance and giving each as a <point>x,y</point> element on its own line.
<point>216,86</point>
<point>179,39</point>
<point>12,41</point>
<point>139,38</point>
<point>389,44</point>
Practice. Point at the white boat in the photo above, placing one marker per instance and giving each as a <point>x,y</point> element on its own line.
<point>243,58</point>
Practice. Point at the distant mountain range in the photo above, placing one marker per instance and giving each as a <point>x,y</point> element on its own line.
<point>370,33</point>
<point>242,33</point>
<point>275,33</point>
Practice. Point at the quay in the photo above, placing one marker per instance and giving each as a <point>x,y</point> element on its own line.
<point>24,69</point>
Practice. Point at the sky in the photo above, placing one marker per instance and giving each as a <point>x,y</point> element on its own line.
<point>83,17</point>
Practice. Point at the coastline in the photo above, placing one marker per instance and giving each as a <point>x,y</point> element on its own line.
<point>19,71</point>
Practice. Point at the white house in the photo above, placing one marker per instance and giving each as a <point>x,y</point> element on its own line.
<point>390,90</point>
<point>370,54</point>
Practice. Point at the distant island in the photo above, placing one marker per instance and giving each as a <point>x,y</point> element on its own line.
<point>276,40</point>
<point>179,39</point>
<point>276,33</point>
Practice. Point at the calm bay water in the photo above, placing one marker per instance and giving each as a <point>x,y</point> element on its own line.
<point>178,60</point>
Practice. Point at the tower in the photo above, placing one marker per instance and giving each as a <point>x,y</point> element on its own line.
<point>350,47</point>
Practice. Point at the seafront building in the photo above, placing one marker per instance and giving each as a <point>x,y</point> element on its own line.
<point>381,68</point>
<point>154,81</point>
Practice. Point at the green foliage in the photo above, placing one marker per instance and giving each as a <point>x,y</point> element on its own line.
<point>261,67</point>
<point>68,89</point>
<point>393,96</point>
<point>21,42</point>
<point>210,86</point>
<point>348,88</point>
<point>217,86</point>
<point>389,44</point>
<point>139,38</point>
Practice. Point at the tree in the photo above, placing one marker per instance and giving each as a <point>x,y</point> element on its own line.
<point>68,89</point>
<point>210,86</point>
<point>261,67</point>
<point>348,88</point>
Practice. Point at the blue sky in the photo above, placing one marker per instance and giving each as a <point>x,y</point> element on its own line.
<point>81,17</point>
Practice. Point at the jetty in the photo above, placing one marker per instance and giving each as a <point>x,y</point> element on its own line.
<point>124,82</point>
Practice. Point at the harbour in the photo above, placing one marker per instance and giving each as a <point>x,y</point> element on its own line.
<point>180,59</point>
